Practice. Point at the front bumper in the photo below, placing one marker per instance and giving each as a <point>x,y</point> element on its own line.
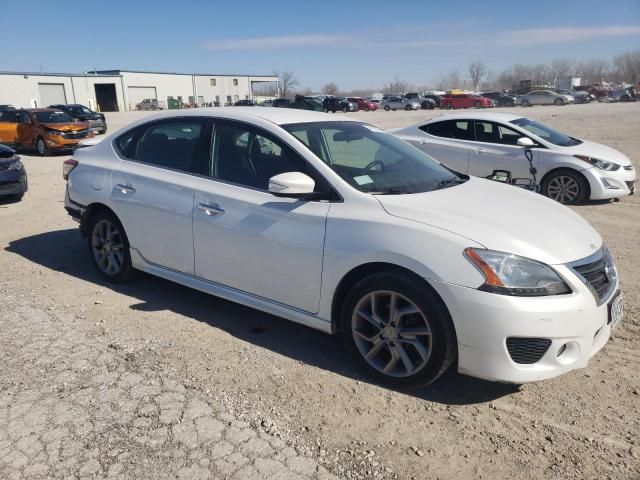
<point>576,327</point>
<point>13,182</point>
<point>605,185</point>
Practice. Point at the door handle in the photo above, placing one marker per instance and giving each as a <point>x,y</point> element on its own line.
<point>211,210</point>
<point>125,188</point>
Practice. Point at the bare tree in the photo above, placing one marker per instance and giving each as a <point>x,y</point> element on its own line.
<point>330,89</point>
<point>477,71</point>
<point>627,67</point>
<point>288,81</point>
<point>396,86</point>
<point>450,81</point>
<point>594,70</point>
<point>561,67</point>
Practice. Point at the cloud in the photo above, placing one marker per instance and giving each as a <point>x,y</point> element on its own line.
<point>280,42</point>
<point>541,36</point>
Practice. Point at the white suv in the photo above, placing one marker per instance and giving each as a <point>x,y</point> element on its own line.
<point>345,228</point>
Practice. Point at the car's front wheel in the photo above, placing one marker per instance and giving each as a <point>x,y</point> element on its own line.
<point>565,186</point>
<point>109,248</point>
<point>525,103</point>
<point>558,102</point>
<point>398,329</point>
<point>387,108</point>
<point>41,146</point>
<point>408,107</point>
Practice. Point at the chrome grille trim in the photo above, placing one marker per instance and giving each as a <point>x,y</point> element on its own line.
<point>598,272</point>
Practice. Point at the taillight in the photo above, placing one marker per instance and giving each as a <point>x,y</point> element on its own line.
<point>67,166</point>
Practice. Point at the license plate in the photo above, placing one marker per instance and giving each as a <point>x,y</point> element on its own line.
<point>616,311</point>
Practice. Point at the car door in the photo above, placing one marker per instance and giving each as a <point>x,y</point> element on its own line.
<point>26,129</point>
<point>448,141</point>
<point>9,126</point>
<point>152,188</point>
<point>495,148</point>
<point>245,237</point>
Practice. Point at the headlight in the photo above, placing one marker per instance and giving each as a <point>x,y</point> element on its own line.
<point>51,131</point>
<point>509,274</point>
<point>601,164</point>
<point>17,165</point>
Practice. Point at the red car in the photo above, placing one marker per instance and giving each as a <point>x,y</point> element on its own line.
<point>363,104</point>
<point>465,100</point>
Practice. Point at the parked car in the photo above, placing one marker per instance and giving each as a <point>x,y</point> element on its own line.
<point>267,103</point>
<point>399,103</point>
<point>362,104</point>
<point>436,98</point>
<point>465,100</point>
<point>544,97</point>
<point>96,120</point>
<point>151,104</point>
<point>501,99</point>
<point>281,102</point>
<point>570,170</point>
<point>46,129</point>
<point>5,107</point>
<point>624,95</point>
<point>336,104</point>
<point>306,103</point>
<point>245,103</point>
<point>13,176</point>
<point>349,229</point>
<point>425,103</point>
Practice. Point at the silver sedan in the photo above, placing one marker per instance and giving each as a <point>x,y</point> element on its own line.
<point>544,97</point>
<point>397,103</point>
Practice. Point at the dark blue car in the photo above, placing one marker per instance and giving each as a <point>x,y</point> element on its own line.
<point>13,176</point>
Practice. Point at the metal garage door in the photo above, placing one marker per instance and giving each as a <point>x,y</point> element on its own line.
<point>51,94</point>
<point>137,94</point>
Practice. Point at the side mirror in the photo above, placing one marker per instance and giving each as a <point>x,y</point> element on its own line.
<point>502,176</point>
<point>526,142</point>
<point>291,184</point>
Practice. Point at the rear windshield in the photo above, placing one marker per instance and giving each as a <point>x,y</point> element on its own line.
<point>53,117</point>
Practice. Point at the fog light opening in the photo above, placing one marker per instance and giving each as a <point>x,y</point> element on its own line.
<point>561,350</point>
<point>568,353</point>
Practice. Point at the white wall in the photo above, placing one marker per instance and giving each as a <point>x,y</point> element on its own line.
<point>19,89</point>
<point>167,85</point>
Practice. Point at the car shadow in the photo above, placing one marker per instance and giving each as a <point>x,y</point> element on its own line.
<point>65,251</point>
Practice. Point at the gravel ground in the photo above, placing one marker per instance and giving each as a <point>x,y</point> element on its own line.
<point>153,380</point>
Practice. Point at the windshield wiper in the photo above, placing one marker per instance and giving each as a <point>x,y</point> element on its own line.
<point>448,181</point>
<point>389,191</point>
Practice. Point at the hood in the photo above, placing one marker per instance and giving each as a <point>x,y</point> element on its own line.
<point>75,126</point>
<point>596,150</point>
<point>87,116</point>
<point>501,217</point>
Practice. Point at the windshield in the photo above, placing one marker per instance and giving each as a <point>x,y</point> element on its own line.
<point>53,117</point>
<point>547,133</point>
<point>373,160</point>
<point>79,109</point>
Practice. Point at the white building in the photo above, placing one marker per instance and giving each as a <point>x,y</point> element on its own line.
<point>119,90</point>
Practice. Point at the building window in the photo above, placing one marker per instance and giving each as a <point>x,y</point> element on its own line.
<point>235,82</point>
<point>212,81</point>
<point>236,98</point>
<point>229,99</point>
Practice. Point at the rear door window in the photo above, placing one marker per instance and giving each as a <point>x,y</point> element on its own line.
<point>457,129</point>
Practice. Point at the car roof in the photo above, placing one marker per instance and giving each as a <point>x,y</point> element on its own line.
<point>41,109</point>
<point>279,116</point>
<point>475,115</point>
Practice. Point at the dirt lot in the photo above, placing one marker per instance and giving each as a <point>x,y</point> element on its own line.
<point>153,380</point>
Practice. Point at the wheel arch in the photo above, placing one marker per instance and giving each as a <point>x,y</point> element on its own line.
<point>91,210</point>
<point>364,270</point>
<point>550,173</point>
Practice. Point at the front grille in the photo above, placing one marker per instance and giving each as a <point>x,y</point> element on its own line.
<point>598,274</point>
<point>9,186</point>
<point>527,350</point>
<point>75,135</point>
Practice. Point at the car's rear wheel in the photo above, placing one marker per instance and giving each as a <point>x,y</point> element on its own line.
<point>41,147</point>
<point>345,109</point>
<point>387,108</point>
<point>398,329</point>
<point>558,102</point>
<point>565,186</point>
<point>109,248</point>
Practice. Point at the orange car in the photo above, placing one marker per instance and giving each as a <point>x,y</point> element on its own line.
<point>46,129</point>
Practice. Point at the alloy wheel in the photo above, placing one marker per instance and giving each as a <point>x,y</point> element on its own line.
<point>391,333</point>
<point>563,189</point>
<point>41,146</point>
<point>107,247</point>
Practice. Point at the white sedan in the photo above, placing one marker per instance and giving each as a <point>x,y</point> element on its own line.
<point>345,228</point>
<point>569,170</point>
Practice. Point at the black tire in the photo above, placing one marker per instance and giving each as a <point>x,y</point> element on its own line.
<point>407,108</point>
<point>448,106</point>
<point>554,177</point>
<point>443,339</point>
<point>153,107</point>
<point>126,271</point>
<point>525,103</point>
<point>41,147</point>
<point>625,98</point>
<point>102,132</point>
<point>558,102</point>
<point>387,108</point>
<point>325,109</point>
<point>477,104</point>
<point>345,109</point>
<point>333,111</point>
